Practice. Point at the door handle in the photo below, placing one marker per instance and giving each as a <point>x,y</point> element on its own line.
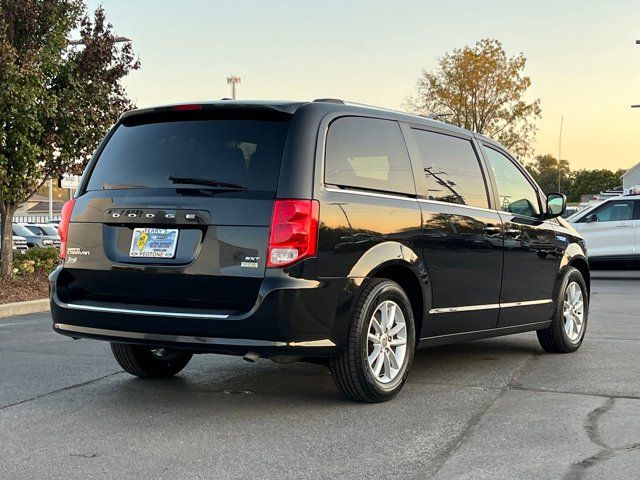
<point>514,232</point>
<point>491,230</point>
<point>624,225</point>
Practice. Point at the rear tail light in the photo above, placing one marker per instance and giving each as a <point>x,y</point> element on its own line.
<point>63,226</point>
<point>294,232</point>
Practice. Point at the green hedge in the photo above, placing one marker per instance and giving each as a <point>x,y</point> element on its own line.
<point>35,260</point>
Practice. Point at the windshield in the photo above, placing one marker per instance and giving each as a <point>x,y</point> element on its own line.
<point>242,152</point>
<point>48,229</point>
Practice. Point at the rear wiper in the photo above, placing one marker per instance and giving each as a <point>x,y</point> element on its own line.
<point>206,181</point>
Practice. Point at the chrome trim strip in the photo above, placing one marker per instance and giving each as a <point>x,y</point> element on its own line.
<point>313,343</point>
<point>526,303</point>
<point>168,338</point>
<point>466,308</point>
<point>152,313</point>
<point>489,306</point>
<point>369,194</point>
<point>398,197</point>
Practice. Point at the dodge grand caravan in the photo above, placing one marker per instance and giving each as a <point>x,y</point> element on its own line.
<point>317,231</point>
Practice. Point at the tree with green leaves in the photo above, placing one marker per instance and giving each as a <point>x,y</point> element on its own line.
<point>590,182</point>
<point>546,170</point>
<point>482,89</point>
<point>57,101</point>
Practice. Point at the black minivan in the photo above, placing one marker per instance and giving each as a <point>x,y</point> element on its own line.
<point>317,231</point>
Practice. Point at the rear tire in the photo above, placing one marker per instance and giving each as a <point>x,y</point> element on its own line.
<point>569,324</point>
<point>149,362</point>
<point>375,363</point>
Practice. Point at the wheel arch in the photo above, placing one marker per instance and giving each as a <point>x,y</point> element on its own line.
<point>575,256</point>
<point>401,264</point>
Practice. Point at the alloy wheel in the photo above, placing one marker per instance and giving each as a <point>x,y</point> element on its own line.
<point>573,312</point>
<point>386,342</point>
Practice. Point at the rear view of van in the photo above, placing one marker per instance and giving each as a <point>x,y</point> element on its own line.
<point>179,237</point>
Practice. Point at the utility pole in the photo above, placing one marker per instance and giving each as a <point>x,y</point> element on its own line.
<point>560,150</point>
<point>636,106</point>
<point>233,80</point>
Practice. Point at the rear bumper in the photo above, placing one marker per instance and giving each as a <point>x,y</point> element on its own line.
<point>291,316</point>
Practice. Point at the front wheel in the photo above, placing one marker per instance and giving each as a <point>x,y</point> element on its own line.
<point>375,363</point>
<point>149,362</point>
<point>569,321</point>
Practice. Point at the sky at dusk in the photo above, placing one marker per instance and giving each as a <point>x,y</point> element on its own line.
<point>582,57</point>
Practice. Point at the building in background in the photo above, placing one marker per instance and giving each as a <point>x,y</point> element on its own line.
<point>631,180</point>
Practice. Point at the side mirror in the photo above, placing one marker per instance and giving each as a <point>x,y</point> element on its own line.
<point>556,205</point>
<point>591,218</point>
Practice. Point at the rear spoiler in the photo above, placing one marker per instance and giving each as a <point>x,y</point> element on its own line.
<point>223,108</point>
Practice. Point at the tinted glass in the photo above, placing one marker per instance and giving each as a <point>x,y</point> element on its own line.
<point>48,229</point>
<point>35,230</point>
<point>516,194</point>
<point>452,170</point>
<point>613,211</point>
<point>368,153</point>
<point>245,152</point>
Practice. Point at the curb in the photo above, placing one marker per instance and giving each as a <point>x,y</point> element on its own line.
<point>21,308</point>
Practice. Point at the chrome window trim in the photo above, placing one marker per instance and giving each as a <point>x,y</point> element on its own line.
<point>489,306</point>
<point>398,197</point>
<point>369,194</point>
<point>158,337</point>
<point>152,313</point>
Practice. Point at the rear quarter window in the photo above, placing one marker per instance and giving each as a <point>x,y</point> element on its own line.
<point>240,151</point>
<point>368,153</point>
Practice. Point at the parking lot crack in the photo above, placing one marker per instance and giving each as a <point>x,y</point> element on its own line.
<point>70,387</point>
<point>591,426</point>
<point>459,439</point>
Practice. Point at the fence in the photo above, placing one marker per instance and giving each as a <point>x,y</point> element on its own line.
<point>33,218</point>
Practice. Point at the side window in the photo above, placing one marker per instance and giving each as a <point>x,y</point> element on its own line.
<point>368,153</point>
<point>612,211</point>
<point>452,169</point>
<point>516,194</point>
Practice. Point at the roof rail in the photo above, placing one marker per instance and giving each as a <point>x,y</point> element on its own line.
<point>439,117</point>
<point>329,100</point>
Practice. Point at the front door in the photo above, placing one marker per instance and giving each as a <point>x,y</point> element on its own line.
<point>530,257</point>
<point>461,236</point>
<point>610,229</point>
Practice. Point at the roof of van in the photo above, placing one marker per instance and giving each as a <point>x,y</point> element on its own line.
<point>290,107</point>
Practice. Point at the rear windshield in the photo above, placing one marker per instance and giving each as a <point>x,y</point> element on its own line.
<point>237,151</point>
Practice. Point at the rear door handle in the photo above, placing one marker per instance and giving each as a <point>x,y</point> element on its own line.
<point>492,230</point>
<point>624,225</point>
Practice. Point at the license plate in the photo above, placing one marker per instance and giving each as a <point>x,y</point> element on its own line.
<point>153,243</point>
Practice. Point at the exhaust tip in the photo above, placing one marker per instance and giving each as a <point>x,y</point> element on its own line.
<point>252,357</point>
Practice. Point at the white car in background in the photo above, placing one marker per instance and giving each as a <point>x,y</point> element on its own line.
<point>611,228</point>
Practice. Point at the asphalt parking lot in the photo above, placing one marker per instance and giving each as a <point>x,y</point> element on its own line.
<point>497,408</point>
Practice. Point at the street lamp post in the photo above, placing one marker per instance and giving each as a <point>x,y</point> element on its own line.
<point>233,80</point>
